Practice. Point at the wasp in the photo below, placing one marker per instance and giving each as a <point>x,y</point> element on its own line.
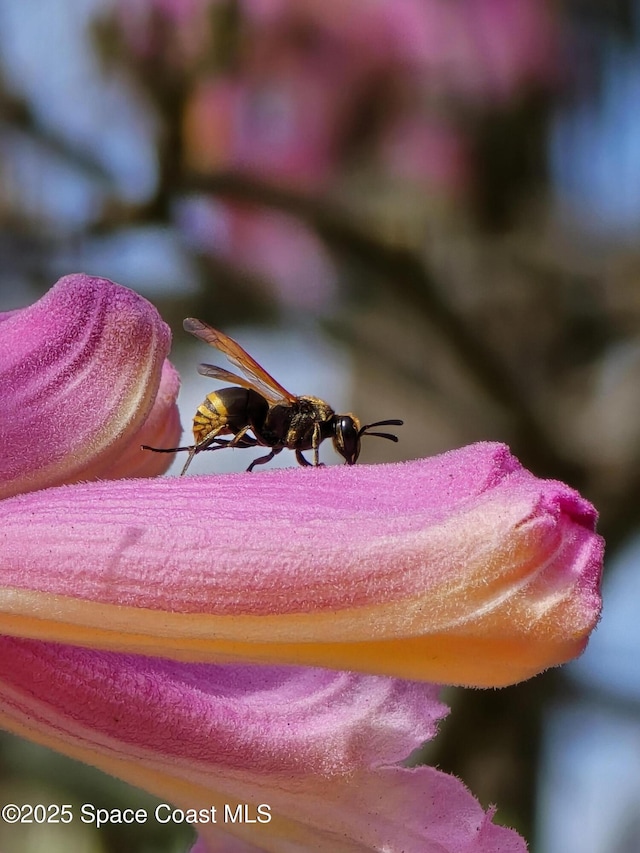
<point>257,404</point>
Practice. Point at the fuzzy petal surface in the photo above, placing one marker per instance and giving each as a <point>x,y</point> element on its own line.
<point>321,749</point>
<point>462,568</point>
<point>80,374</point>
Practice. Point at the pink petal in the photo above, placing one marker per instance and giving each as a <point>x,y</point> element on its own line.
<point>162,428</point>
<point>463,568</point>
<point>320,749</point>
<point>80,372</point>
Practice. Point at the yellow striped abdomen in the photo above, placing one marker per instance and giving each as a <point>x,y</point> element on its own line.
<point>211,419</point>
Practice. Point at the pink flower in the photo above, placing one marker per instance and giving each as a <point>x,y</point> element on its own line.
<point>84,382</point>
<point>461,569</point>
<point>318,750</point>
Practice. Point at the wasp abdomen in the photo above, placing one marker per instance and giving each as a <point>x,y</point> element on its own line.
<point>210,418</point>
<point>227,411</point>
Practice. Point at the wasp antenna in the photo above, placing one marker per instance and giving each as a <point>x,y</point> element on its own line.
<point>365,429</point>
<point>394,422</point>
<point>383,435</point>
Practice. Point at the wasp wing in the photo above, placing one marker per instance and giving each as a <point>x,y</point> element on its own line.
<point>224,376</point>
<point>259,379</point>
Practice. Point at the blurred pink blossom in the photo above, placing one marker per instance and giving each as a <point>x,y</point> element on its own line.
<point>277,128</point>
<point>323,89</point>
<point>322,92</point>
<point>174,32</point>
<point>277,249</point>
<point>475,47</point>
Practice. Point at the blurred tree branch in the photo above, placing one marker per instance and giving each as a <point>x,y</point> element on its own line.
<point>17,114</point>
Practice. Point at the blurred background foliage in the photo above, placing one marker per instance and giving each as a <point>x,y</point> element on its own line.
<point>432,209</point>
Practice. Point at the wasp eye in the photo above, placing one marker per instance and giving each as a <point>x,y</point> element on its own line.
<point>346,438</point>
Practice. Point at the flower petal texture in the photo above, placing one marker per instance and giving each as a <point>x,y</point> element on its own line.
<point>462,568</point>
<point>319,751</point>
<point>81,373</point>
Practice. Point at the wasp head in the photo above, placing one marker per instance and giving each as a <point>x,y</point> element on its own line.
<point>346,438</point>
<point>347,433</point>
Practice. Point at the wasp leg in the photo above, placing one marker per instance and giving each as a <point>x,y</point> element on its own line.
<point>219,442</point>
<point>245,441</point>
<point>164,449</point>
<point>238,440</point>
<point>302,461</point>
<point>205,444</point>
<point>192,452</point>
<point>262,459</point>
<point>315,444</point>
